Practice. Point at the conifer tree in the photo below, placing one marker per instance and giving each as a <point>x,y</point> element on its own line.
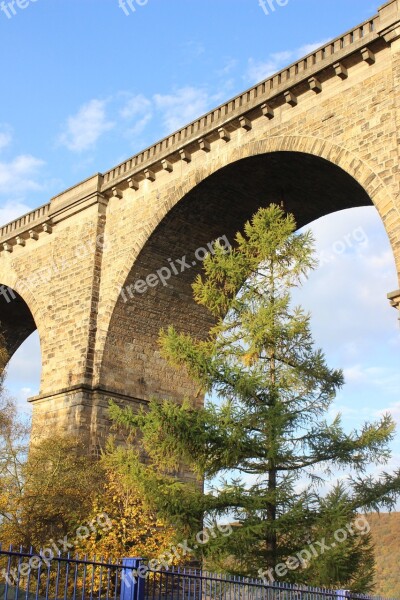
<point>264,444</point>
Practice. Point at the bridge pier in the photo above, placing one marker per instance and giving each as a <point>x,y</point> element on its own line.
<point>79,410</point>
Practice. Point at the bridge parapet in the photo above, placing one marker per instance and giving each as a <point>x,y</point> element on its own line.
<point>42,219</point>
<point>32,221</point>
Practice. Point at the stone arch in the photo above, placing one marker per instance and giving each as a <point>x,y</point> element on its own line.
<point>20,313</point>
<point>131,364</point>
<point>359,169</point>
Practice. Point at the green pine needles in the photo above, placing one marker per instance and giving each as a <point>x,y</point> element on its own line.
<point>264,445</point>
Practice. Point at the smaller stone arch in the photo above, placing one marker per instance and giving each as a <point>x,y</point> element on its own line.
<point>20,314</point>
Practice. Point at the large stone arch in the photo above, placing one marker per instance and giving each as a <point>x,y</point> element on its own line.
<point>196,212</point>
<point>385,199</point>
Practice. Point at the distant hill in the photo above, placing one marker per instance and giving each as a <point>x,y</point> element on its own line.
<point>385,530</point>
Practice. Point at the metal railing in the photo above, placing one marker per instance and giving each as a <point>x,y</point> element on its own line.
<point>42,576</point>
<point>27,575</point>
<point>189,584</point>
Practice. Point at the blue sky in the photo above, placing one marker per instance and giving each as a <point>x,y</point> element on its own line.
<point>84,86</point>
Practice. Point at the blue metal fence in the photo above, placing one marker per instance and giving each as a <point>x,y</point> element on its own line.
<point>32,576</point>
<point>189,584</point>
<point>40,576</point>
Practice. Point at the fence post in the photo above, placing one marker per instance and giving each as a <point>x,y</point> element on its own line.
<point>132,579</point>
<point>342,594</point>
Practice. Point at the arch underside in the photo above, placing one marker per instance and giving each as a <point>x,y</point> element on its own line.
<point>16,320</point>
<point>309,186</point>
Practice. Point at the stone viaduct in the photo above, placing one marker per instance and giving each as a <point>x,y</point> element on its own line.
<point>322,134</point>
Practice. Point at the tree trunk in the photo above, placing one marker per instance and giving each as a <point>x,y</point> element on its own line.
<point>271,516</point>
<point>272,477</point>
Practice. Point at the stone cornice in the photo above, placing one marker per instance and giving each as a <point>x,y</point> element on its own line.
<point>79,392</point>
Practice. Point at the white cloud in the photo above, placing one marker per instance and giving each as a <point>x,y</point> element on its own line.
<point>19,175</point>
<point>134,106</point>
<point>355,374</point>
<point>174,110</point>
<point>84,129</point>
<point>183,106</point>
<point>259,70</point>
<point>140,125</point>
<point>139,109</point>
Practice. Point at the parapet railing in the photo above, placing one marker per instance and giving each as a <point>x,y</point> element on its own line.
<point>31,218</point>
